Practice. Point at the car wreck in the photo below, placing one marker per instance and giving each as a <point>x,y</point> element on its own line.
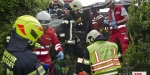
<point>91,18</point>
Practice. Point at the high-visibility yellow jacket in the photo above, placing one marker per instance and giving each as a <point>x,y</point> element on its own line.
<point>104,58</point>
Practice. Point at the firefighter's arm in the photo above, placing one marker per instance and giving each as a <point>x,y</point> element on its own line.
<point>85,60</point>
<point>66,20</point>
<point>86,63</point>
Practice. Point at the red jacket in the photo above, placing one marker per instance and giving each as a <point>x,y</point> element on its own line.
<point>117,14</point>
<point>97,20</point>
<point>48,38</point>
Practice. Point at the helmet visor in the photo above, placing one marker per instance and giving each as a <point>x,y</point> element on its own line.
<point>44,22</point>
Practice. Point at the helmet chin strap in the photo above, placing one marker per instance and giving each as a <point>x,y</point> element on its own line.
<point>34,44</point>
<point>41,43</point>
<point>45,27</point>
<point>92,40</point>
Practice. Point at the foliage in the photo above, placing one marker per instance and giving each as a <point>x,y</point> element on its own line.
<point>10,10</point>
<point>138,52</point>
<point>70,62</point>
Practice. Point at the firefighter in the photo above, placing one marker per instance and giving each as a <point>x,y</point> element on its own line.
<point>47,38</point>
<point>60,8</point>
<point>72,45</point>
<point>18,58</point>
<point>50,8</point>
<point>101,56</point>
<point>61,4</point>
<point>117,17</point>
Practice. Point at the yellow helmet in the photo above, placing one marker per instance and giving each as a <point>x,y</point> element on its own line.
<point>28,27</point>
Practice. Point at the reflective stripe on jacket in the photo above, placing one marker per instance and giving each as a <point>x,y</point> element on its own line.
<point>40,71</point>
<point>104,58</point>
<point>69,28</point>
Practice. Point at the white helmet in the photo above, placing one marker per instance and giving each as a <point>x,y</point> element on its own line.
<point>75,5</point>
<point>61,2</point>
<point>44,18</point>
<point>92,35</point>
<point>109,2</point>
<point>51,2</point>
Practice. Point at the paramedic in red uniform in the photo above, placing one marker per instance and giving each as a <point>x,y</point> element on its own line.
<point>97,20</point>
<point>117,17</point>
<point>48,37</point>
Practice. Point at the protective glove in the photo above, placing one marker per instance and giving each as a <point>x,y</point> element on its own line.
<point>113,23</point>
<point>46,67</point>
<point>60,55</point>
<point>106,22</point>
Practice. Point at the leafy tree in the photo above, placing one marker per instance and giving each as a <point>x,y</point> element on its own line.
<point>10,10</point>
<point>137,56</point>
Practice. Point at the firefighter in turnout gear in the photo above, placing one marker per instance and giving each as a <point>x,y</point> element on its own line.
<point>101,56</point>
<point>47,38</point>
<point>60,8</point>
<point>72,44</point>
<point>117,17</point>
<point>50,8</point>
<point>18,58</point>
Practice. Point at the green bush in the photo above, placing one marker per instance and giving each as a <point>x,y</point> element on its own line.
<point>70,61</point>
<point>137,57</point>
<point>10,10</point>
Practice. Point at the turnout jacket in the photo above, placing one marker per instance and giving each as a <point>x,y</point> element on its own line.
<point>19,60</point>
<point>69,28</point>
